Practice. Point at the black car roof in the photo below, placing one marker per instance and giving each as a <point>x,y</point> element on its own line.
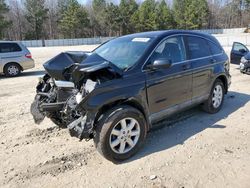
<point>165,33</point>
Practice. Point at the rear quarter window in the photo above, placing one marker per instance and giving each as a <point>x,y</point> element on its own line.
<point>9,47</point>
<point>215,49</point>
<point>197,47</point>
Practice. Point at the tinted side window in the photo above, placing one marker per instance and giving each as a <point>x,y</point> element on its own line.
<point>215,49</point>
<point>9,47</point>
<point>238,46</point>
<point>171,49</point>
<point>198,47</point>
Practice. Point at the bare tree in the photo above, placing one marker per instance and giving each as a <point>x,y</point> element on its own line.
<point>52,21</point>
<point>100,18</point>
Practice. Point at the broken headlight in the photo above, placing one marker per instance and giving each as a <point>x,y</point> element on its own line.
<point>87,88</point>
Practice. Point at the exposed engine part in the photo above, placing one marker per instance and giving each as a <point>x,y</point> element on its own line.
<point>64,84</point>
<point>52,107</point>
<point>69,113</point>
<point>64,93</point>
<point>79,97</point>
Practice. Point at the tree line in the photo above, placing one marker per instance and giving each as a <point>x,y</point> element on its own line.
<point>52,19</point>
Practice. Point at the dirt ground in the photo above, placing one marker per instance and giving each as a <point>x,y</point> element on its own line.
<point>191,150</point>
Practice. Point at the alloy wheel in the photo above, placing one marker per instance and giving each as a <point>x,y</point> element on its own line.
<point>13,70</point>
<point>124,135</point>
<point>217,96</point>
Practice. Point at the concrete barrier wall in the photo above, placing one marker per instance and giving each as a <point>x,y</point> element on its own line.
<point>223,31</point>
<point>226,39</point>
<point>65,42</point>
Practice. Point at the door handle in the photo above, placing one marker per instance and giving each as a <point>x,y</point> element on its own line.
<point>186,66</point>
<point>213,61</point>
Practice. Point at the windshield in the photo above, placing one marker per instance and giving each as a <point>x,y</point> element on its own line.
<point>124,52</point>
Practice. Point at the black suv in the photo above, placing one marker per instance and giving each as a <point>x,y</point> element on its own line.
<point>132,82</point>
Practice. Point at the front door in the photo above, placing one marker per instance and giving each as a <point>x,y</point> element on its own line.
<point>167,88</point>
<point>237,52</point>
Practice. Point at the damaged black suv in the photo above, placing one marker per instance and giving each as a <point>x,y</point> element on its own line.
<point>117,93</point>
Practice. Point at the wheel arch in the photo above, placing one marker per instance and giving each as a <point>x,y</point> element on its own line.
<point>129,102</point>
<point>223,78</point>
<point>12,62</point>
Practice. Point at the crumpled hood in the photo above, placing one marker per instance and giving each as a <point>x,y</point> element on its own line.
<point>77,65</point>
<point>96,68</point>
<point>98,71</point>
<point>55,67</point>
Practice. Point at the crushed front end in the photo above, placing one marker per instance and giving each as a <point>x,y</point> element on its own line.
<point>63,101</point>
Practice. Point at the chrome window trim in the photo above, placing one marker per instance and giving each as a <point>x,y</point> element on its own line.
<point>212,55</point>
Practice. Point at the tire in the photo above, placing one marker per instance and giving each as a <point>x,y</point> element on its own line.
<point>215,101</point>
<point>12,70</point>
<point>113,119</point>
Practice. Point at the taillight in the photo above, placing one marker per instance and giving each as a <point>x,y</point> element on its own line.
<point>28,55</point>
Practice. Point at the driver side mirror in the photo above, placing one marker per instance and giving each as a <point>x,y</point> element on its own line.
<point>160,64</point>
<point>242,51</point>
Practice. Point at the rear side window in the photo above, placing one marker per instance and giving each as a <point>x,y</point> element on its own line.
<point>9,47</point>
<point>198,47</point>
<point>215,49</point>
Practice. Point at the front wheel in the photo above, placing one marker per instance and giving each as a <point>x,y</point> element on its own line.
<point>120,133</point>
<point>216,98</point>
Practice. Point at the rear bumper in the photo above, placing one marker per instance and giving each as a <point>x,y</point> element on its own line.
<point>29,64</point>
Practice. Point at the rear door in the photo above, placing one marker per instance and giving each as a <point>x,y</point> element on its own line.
<point>202,61</point>
<point>238,51</point>
<point>10,51</point>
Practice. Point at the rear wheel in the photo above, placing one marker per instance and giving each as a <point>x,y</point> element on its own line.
<point>12,69</point>
<point>216,98</point>
<point>120,133</point>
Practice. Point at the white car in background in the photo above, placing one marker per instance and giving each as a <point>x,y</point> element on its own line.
<point>14,58</point>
